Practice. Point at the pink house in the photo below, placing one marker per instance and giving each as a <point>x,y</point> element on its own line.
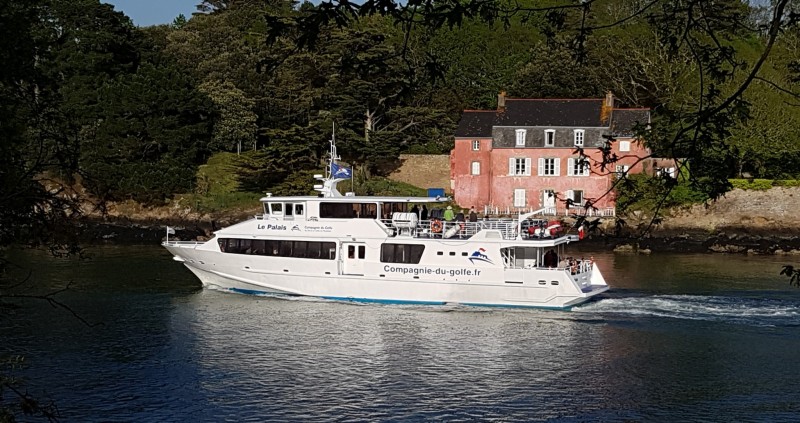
<point>524,155</point>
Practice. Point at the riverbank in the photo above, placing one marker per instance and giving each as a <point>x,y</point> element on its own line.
<point>746,222</point>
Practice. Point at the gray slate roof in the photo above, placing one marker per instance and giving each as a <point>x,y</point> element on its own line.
<point>574,113</point>
<point>579,113</point>
<point>623,121</point>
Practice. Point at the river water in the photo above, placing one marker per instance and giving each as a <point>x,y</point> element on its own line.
<point>678,338</point>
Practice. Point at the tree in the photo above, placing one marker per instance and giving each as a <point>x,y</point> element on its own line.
<point>153,129</point>
<point>236,126</point>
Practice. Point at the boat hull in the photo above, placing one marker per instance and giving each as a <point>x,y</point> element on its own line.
<point>522,288</point>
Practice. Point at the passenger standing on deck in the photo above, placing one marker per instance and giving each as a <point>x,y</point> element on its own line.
<point>415,210</point>
<point>424,213</point>
<point>473,216</point>
<point>460,216</point>
<point>448,214</point>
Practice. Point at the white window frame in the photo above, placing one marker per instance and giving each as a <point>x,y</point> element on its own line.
<point>519,197</point>
<point>549,137</point>
<point>521,133</point>
<point>475,168</point>
<point>571,196</point>
<point>574,170</point>
<point>543,164</point>
<point>579,136</point>
<point>624,146</point>
<point>621,171</point>
<point>476,145</point>
<point>519,166</point>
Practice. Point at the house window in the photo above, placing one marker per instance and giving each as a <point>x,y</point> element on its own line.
<point>476,145</point>
<point>579,137</point>
<point>519,166</point>
<point>549,137</point>
<point>549,166</point>
<point>666,171</point>
<point>576,196</point>
<point>621,171</point>
<point>519,198</point>
<point>476,168</point>
<point>624,146</point>
<point>521,137</point>
<point>578,166</point>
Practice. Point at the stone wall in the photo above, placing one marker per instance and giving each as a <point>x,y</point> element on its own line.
<point>424,171</point>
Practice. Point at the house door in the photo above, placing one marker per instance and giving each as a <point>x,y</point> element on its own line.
<point>353,257</point>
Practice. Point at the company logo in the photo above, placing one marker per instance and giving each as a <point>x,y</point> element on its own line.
<point>296,227</point>
<point>480,255</point>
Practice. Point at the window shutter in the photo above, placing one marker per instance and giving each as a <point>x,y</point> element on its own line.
<point>527,166</point>
<point>540,171</point>
<point>571,195</point>
<point>511,163</point>
<point>557,167</point>
<point>570,166</point>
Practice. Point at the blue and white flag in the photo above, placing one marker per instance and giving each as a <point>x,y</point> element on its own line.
<point>341,172</point>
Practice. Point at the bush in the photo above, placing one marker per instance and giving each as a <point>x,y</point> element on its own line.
<point>752,184</point>
<point>645,193</point>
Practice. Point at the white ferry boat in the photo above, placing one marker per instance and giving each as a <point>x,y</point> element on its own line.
<point>374,249</point>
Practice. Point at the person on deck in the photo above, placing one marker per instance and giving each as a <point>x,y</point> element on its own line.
<point>415,210</point>
<point>423,215</point>
<point>448,214</point>
<point>473,215</point>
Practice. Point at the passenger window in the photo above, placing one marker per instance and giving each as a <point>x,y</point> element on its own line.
<point>362,251</point>
<point>289,209</point>
<point>351,251</point>
<point>298,209</point>
<point>276,209</point>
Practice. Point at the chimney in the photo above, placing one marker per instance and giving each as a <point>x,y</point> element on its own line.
<point>501,101</point>
<point>606,108</point>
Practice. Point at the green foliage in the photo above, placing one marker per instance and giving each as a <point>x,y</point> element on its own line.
<point>646,193</point>
<point>219,175</point>
<point>383,186</point>
<point>752,184</point>
<point>154,128</point>
<point>763,184</point>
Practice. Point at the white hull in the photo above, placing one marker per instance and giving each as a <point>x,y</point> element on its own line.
<point>494,287</point>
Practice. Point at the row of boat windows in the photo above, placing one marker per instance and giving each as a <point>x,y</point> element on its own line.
<point>279,248</point>
<point>390,253</point>
<point>359,210</point>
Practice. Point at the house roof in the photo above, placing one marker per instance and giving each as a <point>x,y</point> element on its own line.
<point>624,120</point>
<point>476,123</point>
<point>551,112</point>
<point>577,113</point>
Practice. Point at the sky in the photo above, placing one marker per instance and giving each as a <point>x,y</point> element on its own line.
<point>154,12</point>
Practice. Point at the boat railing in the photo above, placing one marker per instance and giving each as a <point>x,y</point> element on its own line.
<point>182,243</point>
<point>436,228</point>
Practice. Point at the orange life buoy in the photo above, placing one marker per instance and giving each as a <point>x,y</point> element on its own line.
<point>436,226</point>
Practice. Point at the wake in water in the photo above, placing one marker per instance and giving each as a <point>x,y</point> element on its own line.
<point>738,310</point>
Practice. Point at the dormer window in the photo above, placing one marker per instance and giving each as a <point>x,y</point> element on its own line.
<point>549,137</point>
<point>521,137</point>
<point>579,133</point>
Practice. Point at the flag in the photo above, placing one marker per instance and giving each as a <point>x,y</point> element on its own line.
<point>170,231</point>
<point>341,172</point>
